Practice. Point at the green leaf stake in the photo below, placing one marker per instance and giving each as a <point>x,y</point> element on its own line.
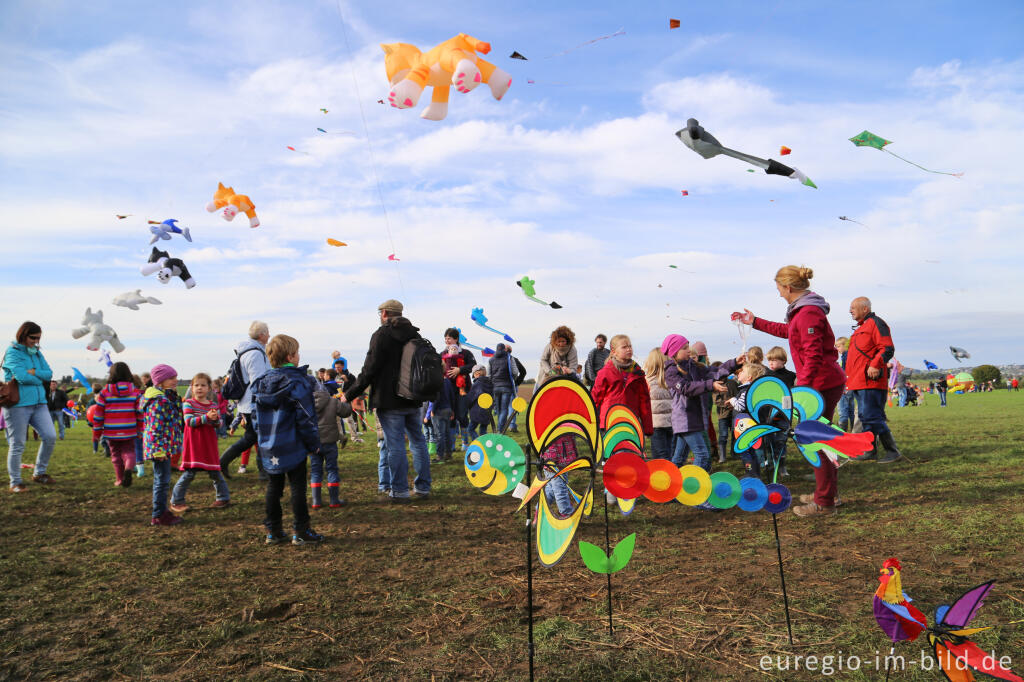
<point>599,562</point>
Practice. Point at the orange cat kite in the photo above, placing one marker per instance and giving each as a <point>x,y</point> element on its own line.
<point>453,62</point>
<point>232,203</point>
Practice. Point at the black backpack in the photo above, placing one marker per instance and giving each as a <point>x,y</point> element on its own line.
<point>235,385</point>
<point>420,374</point>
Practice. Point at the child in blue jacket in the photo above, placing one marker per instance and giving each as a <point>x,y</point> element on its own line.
<point>284,417</point>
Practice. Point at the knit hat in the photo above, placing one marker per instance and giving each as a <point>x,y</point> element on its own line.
<point>392,306</point>
<point>672,343</point>
<point>699,348</point>
<point>162,373</point>
<point>480,368</point>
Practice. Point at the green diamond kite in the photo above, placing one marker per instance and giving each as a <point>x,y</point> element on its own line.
<point>869,139</point>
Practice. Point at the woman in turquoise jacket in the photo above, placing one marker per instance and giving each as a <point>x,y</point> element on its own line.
<point>24,362</point>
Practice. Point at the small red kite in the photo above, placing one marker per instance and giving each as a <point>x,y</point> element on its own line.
<point>673,23</point>
<point>785,150</point>
<point>685,193</point>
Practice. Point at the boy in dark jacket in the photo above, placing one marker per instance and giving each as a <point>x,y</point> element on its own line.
<point>329,413</point>
<point>479,416</point>
<point>286,430</point>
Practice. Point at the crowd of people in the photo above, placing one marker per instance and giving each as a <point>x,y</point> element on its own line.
<point>687,405</point>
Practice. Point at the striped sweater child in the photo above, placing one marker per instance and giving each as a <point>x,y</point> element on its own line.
<point>117,417</point>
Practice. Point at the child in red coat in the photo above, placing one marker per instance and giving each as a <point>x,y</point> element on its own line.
<point>623,382</point>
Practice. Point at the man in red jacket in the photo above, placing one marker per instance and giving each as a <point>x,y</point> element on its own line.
<point>871,349</point>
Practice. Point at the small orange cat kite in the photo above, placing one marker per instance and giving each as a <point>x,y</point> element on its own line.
<point>453,62</point>
<point>232,203</point>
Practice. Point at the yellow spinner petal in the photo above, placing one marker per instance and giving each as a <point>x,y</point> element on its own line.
<point>554,535</point>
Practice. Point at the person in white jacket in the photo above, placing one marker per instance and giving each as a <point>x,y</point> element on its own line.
<point>252,356</point>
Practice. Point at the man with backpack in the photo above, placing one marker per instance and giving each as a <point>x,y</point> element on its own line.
<point>402,370</point>
<point>250,363</point>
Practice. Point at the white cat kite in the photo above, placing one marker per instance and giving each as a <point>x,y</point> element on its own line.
<point>92,323</point>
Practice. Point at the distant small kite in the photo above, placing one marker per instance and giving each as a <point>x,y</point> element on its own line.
<point>685,193</point>
<point>335,242</point>
<point>784,151</point>
<point>392,257</point>
<point>323,110</point>
<point>930,365</point>
<point>526,284</point>
<point>299,152</point>
<point>851,220</point>
<point>516,55</point>
<point>674,267</point>
<point>959,353</point>
<point>868,139</point>
<point>380,101</point>
<point>122,217</point>
<point>673,23</point>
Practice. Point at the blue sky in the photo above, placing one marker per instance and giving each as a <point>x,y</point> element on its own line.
<point>575,179</point>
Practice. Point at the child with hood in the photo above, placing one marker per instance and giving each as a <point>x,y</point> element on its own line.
<point>117,421</point>
<point>286,433</point>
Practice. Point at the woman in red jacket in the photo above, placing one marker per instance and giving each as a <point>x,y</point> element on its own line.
<point>622,382</point>
<point>812,347</point>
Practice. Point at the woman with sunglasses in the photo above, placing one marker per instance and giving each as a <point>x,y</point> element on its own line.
<point>24,362</point>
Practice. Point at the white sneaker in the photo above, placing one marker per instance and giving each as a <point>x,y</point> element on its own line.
<point>241,470</point>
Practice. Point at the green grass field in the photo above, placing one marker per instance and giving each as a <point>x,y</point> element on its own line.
<point>437,589</point>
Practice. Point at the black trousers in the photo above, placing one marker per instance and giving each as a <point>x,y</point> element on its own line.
<point>247,440</point>
<point>275,490</point>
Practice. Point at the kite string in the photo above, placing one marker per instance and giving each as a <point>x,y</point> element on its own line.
<point>621,31</point>
<point>369,147</point>
<point>928,170</point>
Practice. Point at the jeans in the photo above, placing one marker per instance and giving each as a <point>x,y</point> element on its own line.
<point>942,398</point>
<point>383,471</point>
<point>871,406</point>
<point>442,432</point>
<point>397,424</point>
<point>122,455</point>
<point>275,490</point>
<point>473,426</point>
<point>247,441</point>
<point>181,487</point>
<point>726,437</point>
<point>161,482</point>
<point>327,459</point>
<point>18,420</point>
<point>661,443</point>
<point>902,393</point>
<point>502,405</point>
<point>695,441</point>
<point>558,491</point>
<point>846,404</point>
<point>58,416</point>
